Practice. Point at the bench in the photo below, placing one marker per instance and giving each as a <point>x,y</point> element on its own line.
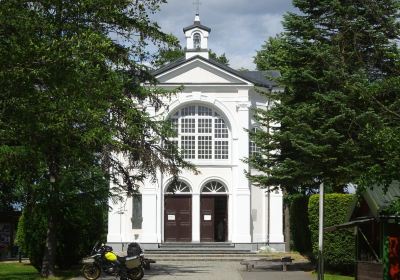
<point>250,263</point>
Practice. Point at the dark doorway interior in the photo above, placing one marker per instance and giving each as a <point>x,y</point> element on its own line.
<point>214,218</point>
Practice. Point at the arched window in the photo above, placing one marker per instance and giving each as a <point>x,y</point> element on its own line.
<point>201,133</point>
<point>214,187</point>
<point>196,41</point>
<point>178,188</point>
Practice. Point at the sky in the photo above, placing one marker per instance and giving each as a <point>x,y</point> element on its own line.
<point>238,27</point>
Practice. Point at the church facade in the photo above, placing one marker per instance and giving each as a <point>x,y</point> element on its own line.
<point>212,116</point>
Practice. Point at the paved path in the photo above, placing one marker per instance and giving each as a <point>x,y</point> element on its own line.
<point>201,270</point>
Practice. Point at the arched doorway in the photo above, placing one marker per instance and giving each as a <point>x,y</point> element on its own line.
<point>178,213</point>
<point>213,213</point>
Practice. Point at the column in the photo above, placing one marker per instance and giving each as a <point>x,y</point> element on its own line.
<point>241,201</point>
<point>196,217</point>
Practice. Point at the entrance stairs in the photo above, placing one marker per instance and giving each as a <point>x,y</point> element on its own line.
<point>198,252</point>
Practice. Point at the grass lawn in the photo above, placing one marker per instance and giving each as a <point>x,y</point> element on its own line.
<point>24,271</point>
<point>337,277</point>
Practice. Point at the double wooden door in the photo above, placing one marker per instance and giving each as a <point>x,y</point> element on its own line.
<point>177,218</point>
<point>213,218</point>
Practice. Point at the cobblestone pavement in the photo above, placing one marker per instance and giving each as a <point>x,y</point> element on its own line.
<point>217,270</point>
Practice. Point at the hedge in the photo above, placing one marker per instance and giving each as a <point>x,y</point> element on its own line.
<point>339,245</point>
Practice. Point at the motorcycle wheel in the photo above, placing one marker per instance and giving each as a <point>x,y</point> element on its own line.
<point>91,271</point>
<point>136,274</point>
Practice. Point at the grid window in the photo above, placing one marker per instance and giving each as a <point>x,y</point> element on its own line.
<point>201,133</point>
<point>205,126</point>
<point>188,126</point>
<point>253,148</point>
<point>221,149</point>
<point>188,144</point>
<point>205,147</point>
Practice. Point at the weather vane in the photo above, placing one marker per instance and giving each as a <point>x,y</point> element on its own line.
<point>197,4</point>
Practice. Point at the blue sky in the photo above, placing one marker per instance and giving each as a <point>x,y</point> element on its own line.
<point>238,27</point>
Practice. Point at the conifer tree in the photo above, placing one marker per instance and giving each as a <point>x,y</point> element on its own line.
<point>72,100</point>
<point>337,120</point>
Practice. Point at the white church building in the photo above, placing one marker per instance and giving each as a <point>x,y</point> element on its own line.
<point>212,116</point>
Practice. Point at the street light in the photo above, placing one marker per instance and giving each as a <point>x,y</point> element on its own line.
<point>321,233</point>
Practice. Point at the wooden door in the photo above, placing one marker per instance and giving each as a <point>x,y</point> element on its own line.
<point>207,216</point>
<point>177,218</point>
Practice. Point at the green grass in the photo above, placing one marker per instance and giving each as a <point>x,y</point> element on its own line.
<point>337,277</point>
<point>24,271</point>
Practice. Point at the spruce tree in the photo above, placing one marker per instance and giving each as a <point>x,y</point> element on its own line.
<point>337,120</point>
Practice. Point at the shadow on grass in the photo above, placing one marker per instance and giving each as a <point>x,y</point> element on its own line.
<point>23,271</point>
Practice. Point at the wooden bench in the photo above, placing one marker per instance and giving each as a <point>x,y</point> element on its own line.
<point>250,263</point>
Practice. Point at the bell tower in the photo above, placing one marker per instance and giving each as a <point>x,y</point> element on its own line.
<point>196,38</point>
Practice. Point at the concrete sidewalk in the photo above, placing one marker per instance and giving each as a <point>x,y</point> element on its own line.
<point>215,270</point>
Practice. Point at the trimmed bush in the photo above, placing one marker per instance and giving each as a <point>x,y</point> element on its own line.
<point>299,224</point>
<point>339,246</point>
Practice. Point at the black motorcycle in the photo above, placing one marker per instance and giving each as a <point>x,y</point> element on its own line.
<point>103,259</point>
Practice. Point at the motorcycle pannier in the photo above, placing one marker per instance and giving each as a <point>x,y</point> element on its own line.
<point>132,262</point>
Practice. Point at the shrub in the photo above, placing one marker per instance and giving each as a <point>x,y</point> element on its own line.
<point>339,246</point>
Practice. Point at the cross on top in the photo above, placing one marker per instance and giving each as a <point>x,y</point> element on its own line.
<point>196,4</point>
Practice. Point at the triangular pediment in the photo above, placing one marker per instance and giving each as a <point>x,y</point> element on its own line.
<point>200,71</point>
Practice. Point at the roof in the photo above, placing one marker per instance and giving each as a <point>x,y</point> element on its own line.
<point>377,199</point>
<point>197,24</point>
<point>258,78</point>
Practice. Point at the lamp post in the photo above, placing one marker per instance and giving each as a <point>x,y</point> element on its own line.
<point>321,233</point>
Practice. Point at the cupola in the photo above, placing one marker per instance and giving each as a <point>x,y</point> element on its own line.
<point>196,39</point>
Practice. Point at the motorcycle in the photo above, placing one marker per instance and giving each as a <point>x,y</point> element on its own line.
<point>103,259</point>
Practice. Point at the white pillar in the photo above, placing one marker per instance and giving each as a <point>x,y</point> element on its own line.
<point>241,203</point>
<point>276,216</point>
<point>149,213</point>
<point>196,217</point>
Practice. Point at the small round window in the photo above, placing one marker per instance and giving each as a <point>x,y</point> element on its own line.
<point>214,187</point>
<point>178,188</point>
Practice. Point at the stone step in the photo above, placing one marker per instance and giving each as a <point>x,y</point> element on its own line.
<point>208,245</point>
<point>197,252</point>
<point>154,255</point>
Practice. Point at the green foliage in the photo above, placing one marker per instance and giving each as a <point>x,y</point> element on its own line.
<point>339,246</point>
<point>221,59</point>
<point>81,220</point>
<point>393,208</point>
<point>73,105</point>
<point>339,113</point>
<point>299,224</point>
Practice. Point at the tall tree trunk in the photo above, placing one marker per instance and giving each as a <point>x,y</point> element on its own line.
<point>286,226</point>
<point>50,248</point>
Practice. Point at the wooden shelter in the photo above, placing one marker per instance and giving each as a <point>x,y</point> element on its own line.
<point>8,228</point>
<point>377,231</point>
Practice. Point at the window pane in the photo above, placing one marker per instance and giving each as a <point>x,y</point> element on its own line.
<point>221,131</point>
<point>188,126</point>
<point>137,211</point>
<point>221,149</point>
<point>205,147</point>
<point>204,111</point>
<point>188,144</point>
<point>205,126</point>
<point>188,111</point>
